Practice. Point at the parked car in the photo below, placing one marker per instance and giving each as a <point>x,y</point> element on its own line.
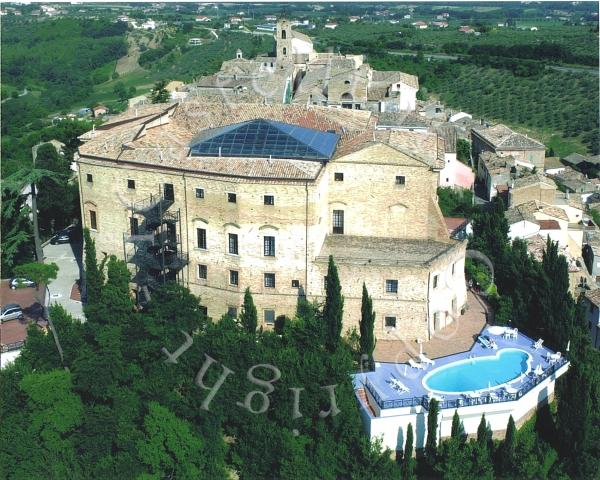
<point>11,311</point>
<point>20,282</point>
<point>64,236</point>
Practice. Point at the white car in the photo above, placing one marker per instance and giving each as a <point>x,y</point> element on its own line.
<point>10,311</point>
<point>21,283</point>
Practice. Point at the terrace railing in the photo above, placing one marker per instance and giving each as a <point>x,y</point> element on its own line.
<point>484,399</point>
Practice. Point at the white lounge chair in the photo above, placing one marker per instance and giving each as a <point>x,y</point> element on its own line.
<point>398,385</point>
<point>511,390</point>
<point>554,357</point>
<point>511,333</point>
<point>472,395</point>
<point>416,365</point>
<point>439,398</point>
<point>537,344</point>
<point>424,359</point>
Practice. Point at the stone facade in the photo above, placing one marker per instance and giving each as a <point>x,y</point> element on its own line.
<point>392,229</point>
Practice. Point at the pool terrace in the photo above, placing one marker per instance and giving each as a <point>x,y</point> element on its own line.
<point>379,393</point>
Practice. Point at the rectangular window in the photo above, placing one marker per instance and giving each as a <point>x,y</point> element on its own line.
<point>90,178</point>
<point>134,225</point>
<point>269,280</point>
<point>232,198</point>
<point>233,243</point>
<point>269,200</point>
<point>390,322</point>
<point>199,193</point>
<point>270,317</point>
<point>391,286</point>
<point>232,312</point>
<point>400,180</point>
<point>338,176</point>
<point>295,283</point>
<point>338,221</point>
<point>269,246</point>
<point>131,184</point>
<point>201,238</point>
<point>202,272</point>
<point>435,281</point>
<point>203,310</point>
<point>234,277</point>
<point>93,222</point>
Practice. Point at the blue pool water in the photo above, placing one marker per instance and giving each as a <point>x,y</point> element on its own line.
<point>478,373</point>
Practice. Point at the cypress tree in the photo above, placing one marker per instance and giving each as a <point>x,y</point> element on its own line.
<point>334,308</point>
<point>509,448</point>
<point>367,323</point>
<point>431,442</point>
<point>483,435</point>
<point>249,317</point>
<point>455,432</point>
<point>94,276</point>
<point>408,463</point>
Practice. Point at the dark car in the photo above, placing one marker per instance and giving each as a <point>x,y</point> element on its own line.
<point>64,236</point>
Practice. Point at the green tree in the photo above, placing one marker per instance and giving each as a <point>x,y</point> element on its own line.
<point>40,273</point>
<point>120,91</point>
<point>509,448</point>
<point>463,150</point>
<point>432,435</point>
<point>159,92</point>
<point>367,324</point>
<point>457,432</point>
<point>170,448</point>
<point>408,462</point>
<point>334,307</point>
<point>94,274</point>
<point>249,317</point>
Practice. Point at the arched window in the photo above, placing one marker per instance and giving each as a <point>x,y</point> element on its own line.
<point>346,82</point>
<point>284,51</point>
<point>347,96</point>
<point>283,35</point>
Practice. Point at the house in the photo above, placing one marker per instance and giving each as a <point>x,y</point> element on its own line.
<point>353,19</point>
<point>267,27</point>
<point>406,121</point>
<point>466,29</point>
<point>235,20</point>
<point>267,216</point>
<point>553,166</point>
<point>538,218</point>
<point>591,252</point>
<point>576,182</point>
<point>532,186</point>
<point>585,163</point>
<point>148,25</point>
<point>592,301</point>
<point>455,173</point>
<point>406,17</point>
<point>331,26</point>
<point>195,41</point>
<point>440,24</point>
<point>84,112</point>
<point>202,19</point>
<point>99,110</point>
<point>492,171</point>
<point>534,29</point>
<point>420,25</point>
<point>458,228</point>
<point>271,18</point>
<point>457,117</point>
<point>503,141</point>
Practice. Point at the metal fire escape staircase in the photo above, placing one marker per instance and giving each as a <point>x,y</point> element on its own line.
<point>154,244</point>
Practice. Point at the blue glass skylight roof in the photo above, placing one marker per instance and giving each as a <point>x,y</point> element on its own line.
<point>265,138</point>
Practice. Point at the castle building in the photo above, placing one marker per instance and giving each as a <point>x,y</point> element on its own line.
<point>222,196</point>
<point>299,74</point>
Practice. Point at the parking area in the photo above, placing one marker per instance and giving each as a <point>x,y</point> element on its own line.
<point>14,332</point>
<point>64,290</point>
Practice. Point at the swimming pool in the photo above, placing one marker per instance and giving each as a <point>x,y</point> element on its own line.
<point>479,373</point>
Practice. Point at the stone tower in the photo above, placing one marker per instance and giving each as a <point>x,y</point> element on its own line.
<point>284,40</point>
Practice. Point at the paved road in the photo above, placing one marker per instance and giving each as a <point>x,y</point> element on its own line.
<point>66,257</point>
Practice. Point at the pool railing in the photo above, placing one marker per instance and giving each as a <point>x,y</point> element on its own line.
<point>499,395</point>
